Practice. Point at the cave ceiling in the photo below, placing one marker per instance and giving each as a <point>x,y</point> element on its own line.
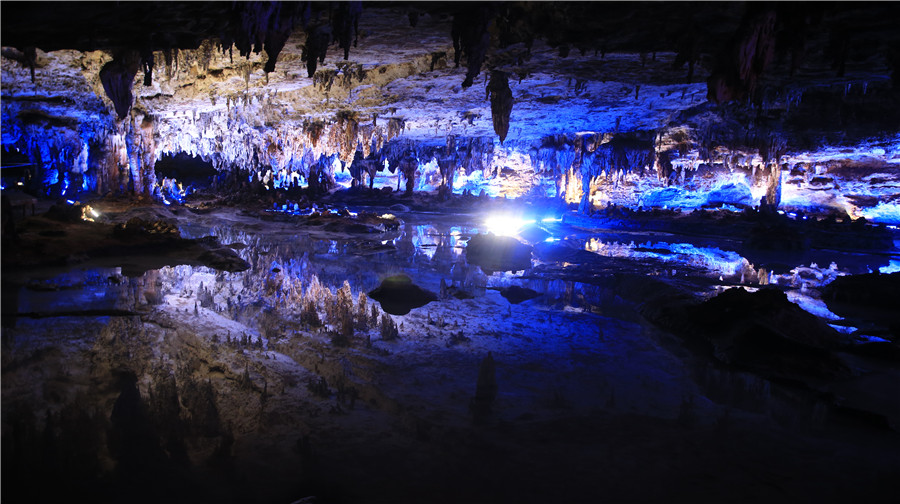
<point>808,75</point>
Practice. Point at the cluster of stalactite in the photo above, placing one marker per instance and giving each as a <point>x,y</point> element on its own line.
<point>753,50</point>
<point>586,163</point>
<point>69,157</point>
<point>252,26</point>
<point>342,26</point>
<point>765,32</point>
<point>230,142</point>
<point>264,26</point>
<point>471,37</point>
<point>586,157</point>
<point>102,155</point>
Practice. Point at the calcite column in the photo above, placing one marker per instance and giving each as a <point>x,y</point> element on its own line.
<point>773,185</point>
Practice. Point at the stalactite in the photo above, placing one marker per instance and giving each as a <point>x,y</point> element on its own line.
<point>501,102</point>
<point>147,66</point>
<point>117,77</point>
<point>317,39</point>
<point>738,71</point>
<point>346,25</point>
<point>470,35</point>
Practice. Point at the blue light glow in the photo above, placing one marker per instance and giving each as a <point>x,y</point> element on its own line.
<point>724,262</point>
<point>50,179</point>
<point>812,305</point>
<point>891,267</point>
<point>886,213</point>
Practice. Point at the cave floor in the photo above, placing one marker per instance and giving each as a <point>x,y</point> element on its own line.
<point>124,378</point>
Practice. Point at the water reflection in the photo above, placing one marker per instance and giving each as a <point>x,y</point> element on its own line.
<point>430,249</point>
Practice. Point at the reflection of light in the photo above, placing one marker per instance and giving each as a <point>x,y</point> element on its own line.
<point>846,329</point>
<point>551,240</point>
<point>551,219</point>
<point>812,305</point>
<point>506,225</point>
<point>20,184</point>
<point>709,258</point>
<point>70,202</point>
<point>892,267</point>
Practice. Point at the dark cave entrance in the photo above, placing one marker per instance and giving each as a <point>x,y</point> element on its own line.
<point>181,174</point>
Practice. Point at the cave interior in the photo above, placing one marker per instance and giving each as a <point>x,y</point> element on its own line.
<point>298,252</point>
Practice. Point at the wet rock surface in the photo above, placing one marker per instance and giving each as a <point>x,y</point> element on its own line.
<point>138,245</point>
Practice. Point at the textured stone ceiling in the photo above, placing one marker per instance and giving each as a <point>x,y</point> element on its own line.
<point>592,66</point>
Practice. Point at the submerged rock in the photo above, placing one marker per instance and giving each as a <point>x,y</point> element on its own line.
<point>516,294</point>
<point>870,290</point>
<point>872,297</point>
<point>398,295</point>
<point>765,333</point>
<point>498,253</point>
<point>224,259</point>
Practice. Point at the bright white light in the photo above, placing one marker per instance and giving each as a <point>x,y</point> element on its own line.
<point>506,225</point>
<point>551,219</point>
<point>88,213</point>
